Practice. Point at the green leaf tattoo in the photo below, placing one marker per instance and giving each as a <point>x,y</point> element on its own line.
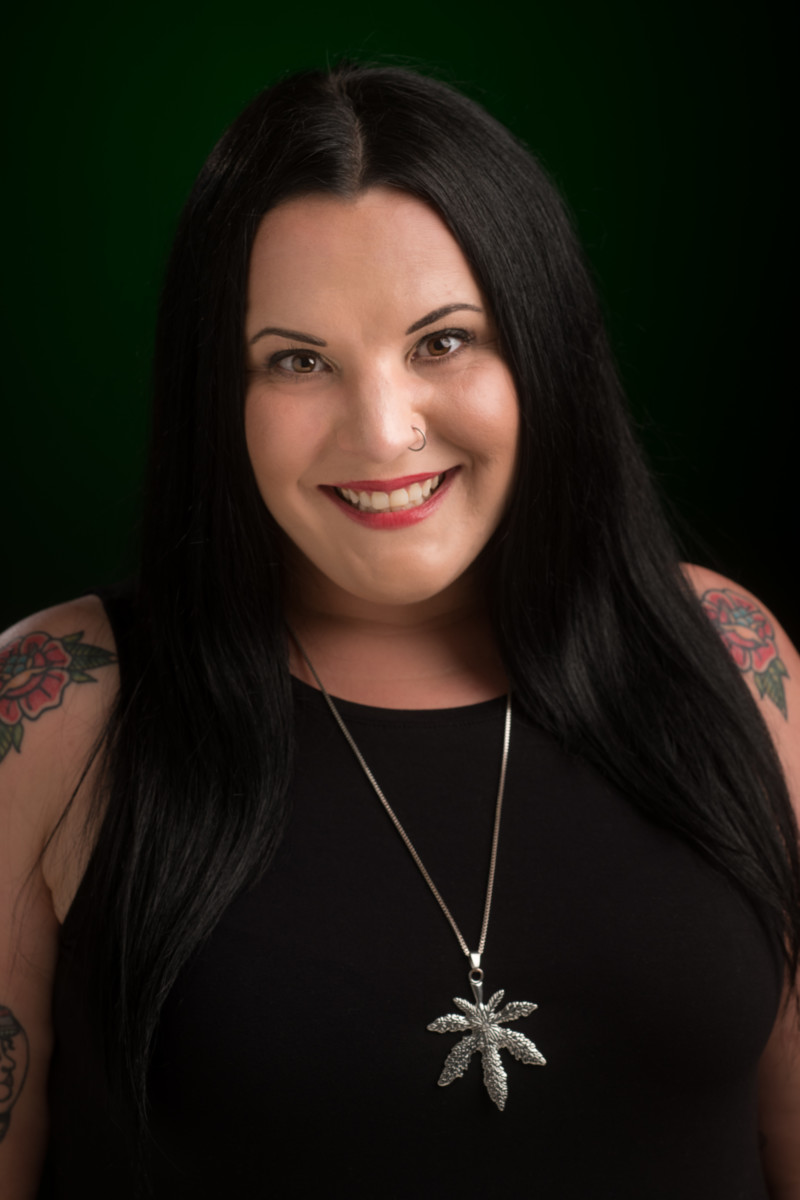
<point>35,670</point>
<point>750,637</point>
<point>6,740</point>
<point>769,683</point>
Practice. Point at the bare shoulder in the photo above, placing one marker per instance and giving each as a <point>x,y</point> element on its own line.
<point>58,679</point>
<point>771,667</point>
<point>762,651</point>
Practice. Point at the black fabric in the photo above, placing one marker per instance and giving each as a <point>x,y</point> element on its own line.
<point>293,1056</point>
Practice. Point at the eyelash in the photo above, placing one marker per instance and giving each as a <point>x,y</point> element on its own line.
<point>463,335</point>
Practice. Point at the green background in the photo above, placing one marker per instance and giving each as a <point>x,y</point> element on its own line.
<point>666,128</point>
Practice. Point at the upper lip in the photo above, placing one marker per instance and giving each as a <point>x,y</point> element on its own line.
<point>386,485</point>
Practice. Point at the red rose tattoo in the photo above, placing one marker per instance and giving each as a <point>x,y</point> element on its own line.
<point>750,638</point>
<point>34,672</point>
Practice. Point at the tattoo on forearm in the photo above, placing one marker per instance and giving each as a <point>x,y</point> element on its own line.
<point>35,671</point>
<point>13,1065</point>
<point>750,638</point>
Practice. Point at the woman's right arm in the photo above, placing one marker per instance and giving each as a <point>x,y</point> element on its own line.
<point>57,681</point>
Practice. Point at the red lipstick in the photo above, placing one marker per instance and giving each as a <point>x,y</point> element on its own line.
<point>393,520</point>
<point>386,485</point>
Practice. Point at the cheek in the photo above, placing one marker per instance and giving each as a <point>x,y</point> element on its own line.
<point>485,416</point>
<point>258,436</point>
<point>280,442</point>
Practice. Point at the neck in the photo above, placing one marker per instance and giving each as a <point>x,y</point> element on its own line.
<point>439,654</point>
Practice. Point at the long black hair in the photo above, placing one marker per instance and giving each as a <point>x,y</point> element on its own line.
<point>604,643</point>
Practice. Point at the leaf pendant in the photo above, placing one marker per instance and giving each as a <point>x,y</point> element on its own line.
<point>482,1026</point>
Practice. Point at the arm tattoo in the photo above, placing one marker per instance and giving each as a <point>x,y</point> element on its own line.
<point>750,638</point>
<point>13,1065</point>
<point>35,671</point>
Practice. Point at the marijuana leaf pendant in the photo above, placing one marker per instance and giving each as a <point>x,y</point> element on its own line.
<point>482,1025</point>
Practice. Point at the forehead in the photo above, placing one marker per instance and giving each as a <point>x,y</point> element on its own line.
<point>382,248</point>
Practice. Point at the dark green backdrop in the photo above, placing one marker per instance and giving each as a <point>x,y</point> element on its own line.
<point>665,127</point>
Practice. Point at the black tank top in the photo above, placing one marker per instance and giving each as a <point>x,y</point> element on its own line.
<point>293,1056</point>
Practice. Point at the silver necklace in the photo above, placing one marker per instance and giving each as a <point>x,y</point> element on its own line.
<point>482,1024</point>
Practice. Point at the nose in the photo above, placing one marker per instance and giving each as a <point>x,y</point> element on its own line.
<point>379,408</point>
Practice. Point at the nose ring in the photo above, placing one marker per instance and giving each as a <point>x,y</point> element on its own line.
<point>416,449</point>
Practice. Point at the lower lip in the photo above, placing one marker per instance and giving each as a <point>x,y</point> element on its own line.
<point>394,520</point>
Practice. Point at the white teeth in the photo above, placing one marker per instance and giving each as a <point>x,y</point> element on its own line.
<point>402,498</point>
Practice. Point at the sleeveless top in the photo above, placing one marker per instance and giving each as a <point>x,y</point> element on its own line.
<point>293,1055</point>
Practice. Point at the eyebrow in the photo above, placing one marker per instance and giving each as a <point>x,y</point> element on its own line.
<point>438,313</point>
<point>293,335</point>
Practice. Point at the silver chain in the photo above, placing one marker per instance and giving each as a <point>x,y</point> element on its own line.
<point>475,959</point>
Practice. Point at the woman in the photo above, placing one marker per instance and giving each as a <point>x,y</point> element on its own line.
<point>390,466</point>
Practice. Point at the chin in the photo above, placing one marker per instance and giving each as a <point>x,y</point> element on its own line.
<point>392,585</point>
<point>401,592</point>
<point>388,580</point>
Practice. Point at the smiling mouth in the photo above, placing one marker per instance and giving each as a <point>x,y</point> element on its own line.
<point>399,500</point>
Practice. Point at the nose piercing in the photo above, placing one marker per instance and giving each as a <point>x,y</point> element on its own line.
<point>424,440</point>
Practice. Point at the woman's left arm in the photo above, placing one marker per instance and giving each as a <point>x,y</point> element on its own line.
<point>771,667</point>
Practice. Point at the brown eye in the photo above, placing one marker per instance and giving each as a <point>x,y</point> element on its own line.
<point>440,345</point>
<point>303,364</point>
<point>443,345</point>
<point>299,362</point>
